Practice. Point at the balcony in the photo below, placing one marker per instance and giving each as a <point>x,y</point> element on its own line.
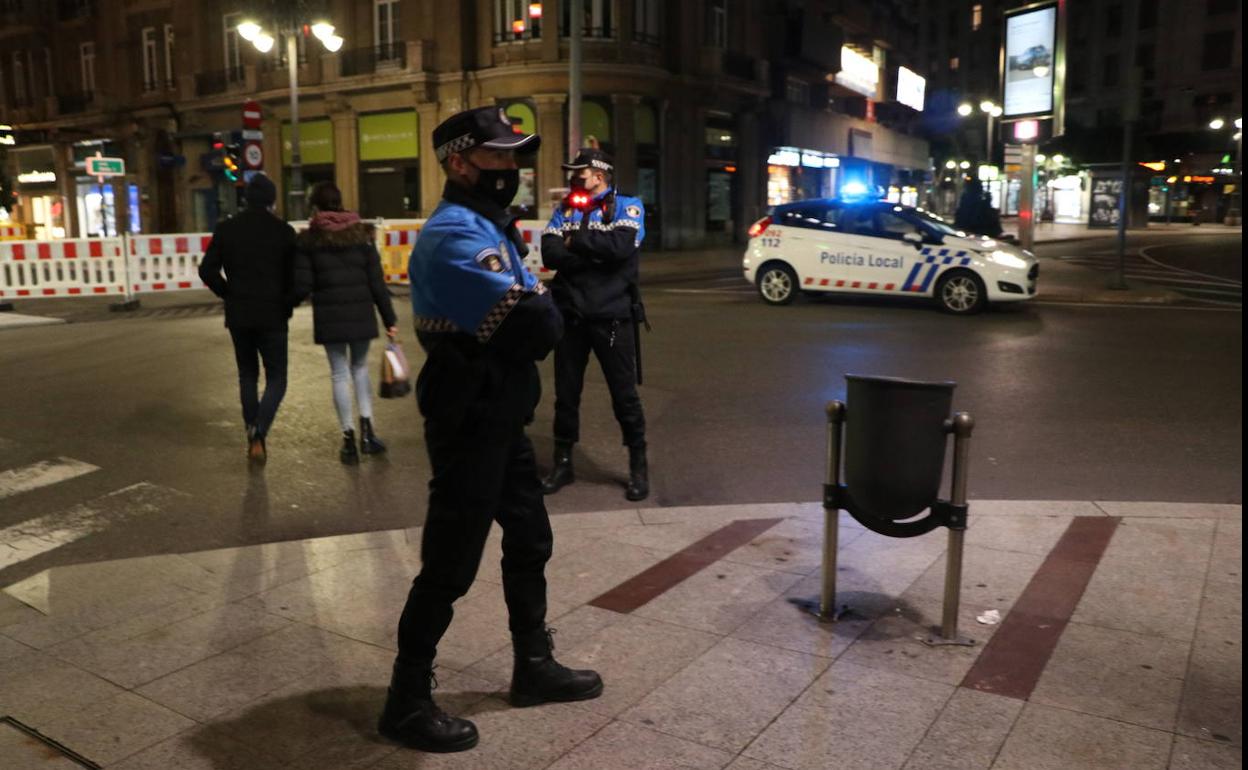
<point>373,59</point>
<point>68,10</point>
<point>217,81</point>
<point>733,64</point>
<point>74,102</point>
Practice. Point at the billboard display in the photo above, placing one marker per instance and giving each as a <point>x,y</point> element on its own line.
<point>859,73</point>
<point>1030,62</point>
<point>910,88</point>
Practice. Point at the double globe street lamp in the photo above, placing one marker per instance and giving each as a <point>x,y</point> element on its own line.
<point>263,41</point>
<point>992,111</point>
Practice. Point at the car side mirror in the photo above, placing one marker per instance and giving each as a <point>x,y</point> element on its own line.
<point>914,238</point>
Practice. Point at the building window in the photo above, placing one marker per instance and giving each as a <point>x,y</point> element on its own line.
<point>717,23</point>
<point>646,24</point>
<point>233,55</point>
<point>19,79</point>
<point>1109,75</point>
<point>954,63</point>
<point>1113,21</point>
<point>385,28</point>
<point>797,92</point>
<point>598,18</point>
<point>977,17</point>
<point>514,20</point>
<point>149,58</point>
<point>169,56</point>
<point>1217,51</point>
<point>86,58</point>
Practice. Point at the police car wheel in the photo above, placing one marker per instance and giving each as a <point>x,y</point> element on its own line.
<point>961,292</point>
<point>777,284</point>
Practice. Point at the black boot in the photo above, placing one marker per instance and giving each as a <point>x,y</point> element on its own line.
<point>638,474</point>
<point>348,454</point>
<point>561,475</point>
<point>538,678</point>
<point>410,716</point>
<point>369,443</point>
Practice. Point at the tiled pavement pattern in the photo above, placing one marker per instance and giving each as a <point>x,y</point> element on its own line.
<point>278,655</point>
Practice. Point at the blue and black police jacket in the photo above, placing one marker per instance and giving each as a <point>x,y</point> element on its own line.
<point>596,256</point>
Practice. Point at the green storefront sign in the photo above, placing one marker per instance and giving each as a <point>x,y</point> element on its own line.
<point>389,136</point>
<point>316,142</point>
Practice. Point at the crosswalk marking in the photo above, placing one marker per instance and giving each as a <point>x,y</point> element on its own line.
<point>1197,286</point>
<point>42,474</point>
<point>32,538</point>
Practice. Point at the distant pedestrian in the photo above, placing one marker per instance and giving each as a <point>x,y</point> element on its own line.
<point>975,212</point>
<point>256,250</point>
<point>337,263</point>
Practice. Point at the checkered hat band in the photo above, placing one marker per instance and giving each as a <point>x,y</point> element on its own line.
<point>458,144</point>
<point>600,164</point>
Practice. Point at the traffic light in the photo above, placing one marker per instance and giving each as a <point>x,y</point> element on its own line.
<point>230,161</point>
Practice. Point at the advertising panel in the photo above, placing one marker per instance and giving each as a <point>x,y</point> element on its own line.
<point>1030,62</point>
<point>859,73</point>
<point>910,88</point>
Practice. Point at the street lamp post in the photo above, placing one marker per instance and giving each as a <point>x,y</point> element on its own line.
<point>1232,211</point>
<point>991,111</point>
<point>263,42</point>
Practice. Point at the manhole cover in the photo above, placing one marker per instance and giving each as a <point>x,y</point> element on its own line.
<point>23,748</point>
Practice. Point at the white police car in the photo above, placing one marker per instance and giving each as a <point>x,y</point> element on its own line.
<point>881,248</point>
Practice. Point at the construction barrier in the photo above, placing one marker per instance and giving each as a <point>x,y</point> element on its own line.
<point>12,232</point>
<point>65,268</point>
<point>166,262</point>
<point>137,264</point>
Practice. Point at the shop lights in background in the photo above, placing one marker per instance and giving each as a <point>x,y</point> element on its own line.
<point>37,177</point>
<point>791,156</point>
<point>6,136</point>
<point>518,27</point>
<point>535,10</point>
<point>1155,165</point>
<point>988,173</point>
<point>858,73</point>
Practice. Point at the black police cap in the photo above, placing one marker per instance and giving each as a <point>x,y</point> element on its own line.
<point>591,157</point>
<point>482,127</point>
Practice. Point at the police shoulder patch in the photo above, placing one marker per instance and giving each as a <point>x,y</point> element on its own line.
<point>633,211</point>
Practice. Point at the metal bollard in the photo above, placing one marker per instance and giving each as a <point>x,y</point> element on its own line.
<point>961,426</point>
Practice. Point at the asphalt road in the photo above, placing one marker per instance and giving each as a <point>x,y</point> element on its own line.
<point>1206,268</point>
<point>1070,402</point>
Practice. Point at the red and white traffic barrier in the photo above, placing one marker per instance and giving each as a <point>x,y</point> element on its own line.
<point>167,262</point>
<point>12,232</point>
<point>64,268</point>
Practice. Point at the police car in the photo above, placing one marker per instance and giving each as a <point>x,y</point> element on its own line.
<point>881,248</point>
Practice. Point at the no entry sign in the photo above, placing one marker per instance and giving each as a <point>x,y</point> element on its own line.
<point>251,114</point>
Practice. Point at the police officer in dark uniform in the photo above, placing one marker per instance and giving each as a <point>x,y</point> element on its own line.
<point>593,242</point>
<point>484,321</point>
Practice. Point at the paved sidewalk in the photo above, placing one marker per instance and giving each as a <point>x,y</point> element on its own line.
<point>278,655</point>
<point>10,320</point>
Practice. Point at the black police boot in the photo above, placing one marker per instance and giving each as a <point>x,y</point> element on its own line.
<point>538,678</point>
<point>348,454</point>
<point>638,474</point>
<point>561,475</point>
<point>369,443</point>
<point>410,716</point>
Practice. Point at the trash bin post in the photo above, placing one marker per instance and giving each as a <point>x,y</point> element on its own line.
<point>831,511</point>
<point>824,606</point>
<point>961,426</point>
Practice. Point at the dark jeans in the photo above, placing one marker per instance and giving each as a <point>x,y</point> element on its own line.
<point>612,344</point>
<point>483,471</point>
<point>251,346</point>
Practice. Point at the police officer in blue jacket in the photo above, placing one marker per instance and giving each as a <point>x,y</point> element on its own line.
<point>593,242</point>
<point>484,321</point>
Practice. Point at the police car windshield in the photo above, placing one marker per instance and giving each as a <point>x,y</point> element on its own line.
<point>934,222</point>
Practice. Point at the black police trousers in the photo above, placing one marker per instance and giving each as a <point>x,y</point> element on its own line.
<point>483,471</point>
<point>612,344</point>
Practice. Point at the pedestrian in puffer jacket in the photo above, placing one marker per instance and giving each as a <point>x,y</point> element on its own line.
<point>336,261</point>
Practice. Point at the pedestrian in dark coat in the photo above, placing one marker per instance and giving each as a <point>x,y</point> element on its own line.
<point>338,264</point>
<point>256,250</point>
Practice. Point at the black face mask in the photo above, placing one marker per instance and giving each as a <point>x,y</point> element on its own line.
<point>499,185</point>
<point>576,182</point>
